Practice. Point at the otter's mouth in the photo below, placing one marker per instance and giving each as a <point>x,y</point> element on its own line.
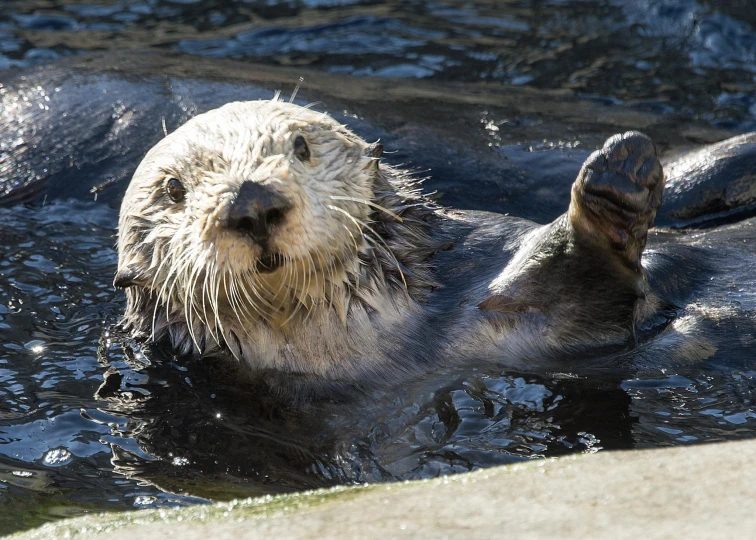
<point>269,262</point>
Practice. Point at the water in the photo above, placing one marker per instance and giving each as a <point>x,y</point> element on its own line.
<point>92,421</point>
<point>667,55</point>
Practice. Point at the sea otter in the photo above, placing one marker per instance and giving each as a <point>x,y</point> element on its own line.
<point>271,232</point>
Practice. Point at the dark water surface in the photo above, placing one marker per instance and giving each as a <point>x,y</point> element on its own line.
<point>687,56</point>
<point>92,421</point>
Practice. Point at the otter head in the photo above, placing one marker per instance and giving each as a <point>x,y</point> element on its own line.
<point>250,214</point>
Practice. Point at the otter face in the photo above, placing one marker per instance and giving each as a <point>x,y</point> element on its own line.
<point>254,209</point>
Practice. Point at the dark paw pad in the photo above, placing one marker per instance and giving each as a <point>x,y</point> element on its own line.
<point>617,193</point>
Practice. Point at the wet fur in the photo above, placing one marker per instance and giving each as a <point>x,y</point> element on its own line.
<point>395,285</point>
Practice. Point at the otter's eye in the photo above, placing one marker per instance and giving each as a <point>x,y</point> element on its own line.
<point>175,190</point>
<point>301,150</point>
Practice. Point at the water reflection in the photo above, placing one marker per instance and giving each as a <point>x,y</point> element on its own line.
<point>201,428</point>
<point>204,429</point>
<point>667,55</point>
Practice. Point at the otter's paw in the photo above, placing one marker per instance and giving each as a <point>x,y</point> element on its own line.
<point>617,193</point>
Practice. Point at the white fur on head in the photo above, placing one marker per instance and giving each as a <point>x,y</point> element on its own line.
<point>192,278</point>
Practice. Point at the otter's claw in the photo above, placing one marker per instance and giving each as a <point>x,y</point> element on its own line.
<point>617,193</point>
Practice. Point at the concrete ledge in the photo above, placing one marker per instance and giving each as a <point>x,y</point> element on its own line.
<point>706,491</point>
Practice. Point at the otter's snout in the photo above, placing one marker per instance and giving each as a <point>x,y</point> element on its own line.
<point>256,210</point>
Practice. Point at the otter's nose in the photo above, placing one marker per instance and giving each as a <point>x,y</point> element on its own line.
<point>256,210</point>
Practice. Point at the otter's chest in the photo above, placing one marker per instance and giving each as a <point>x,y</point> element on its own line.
<point>388,331</point>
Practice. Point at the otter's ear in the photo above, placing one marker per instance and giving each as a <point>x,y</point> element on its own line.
<point>126,276</point>
<point>374,151</point>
